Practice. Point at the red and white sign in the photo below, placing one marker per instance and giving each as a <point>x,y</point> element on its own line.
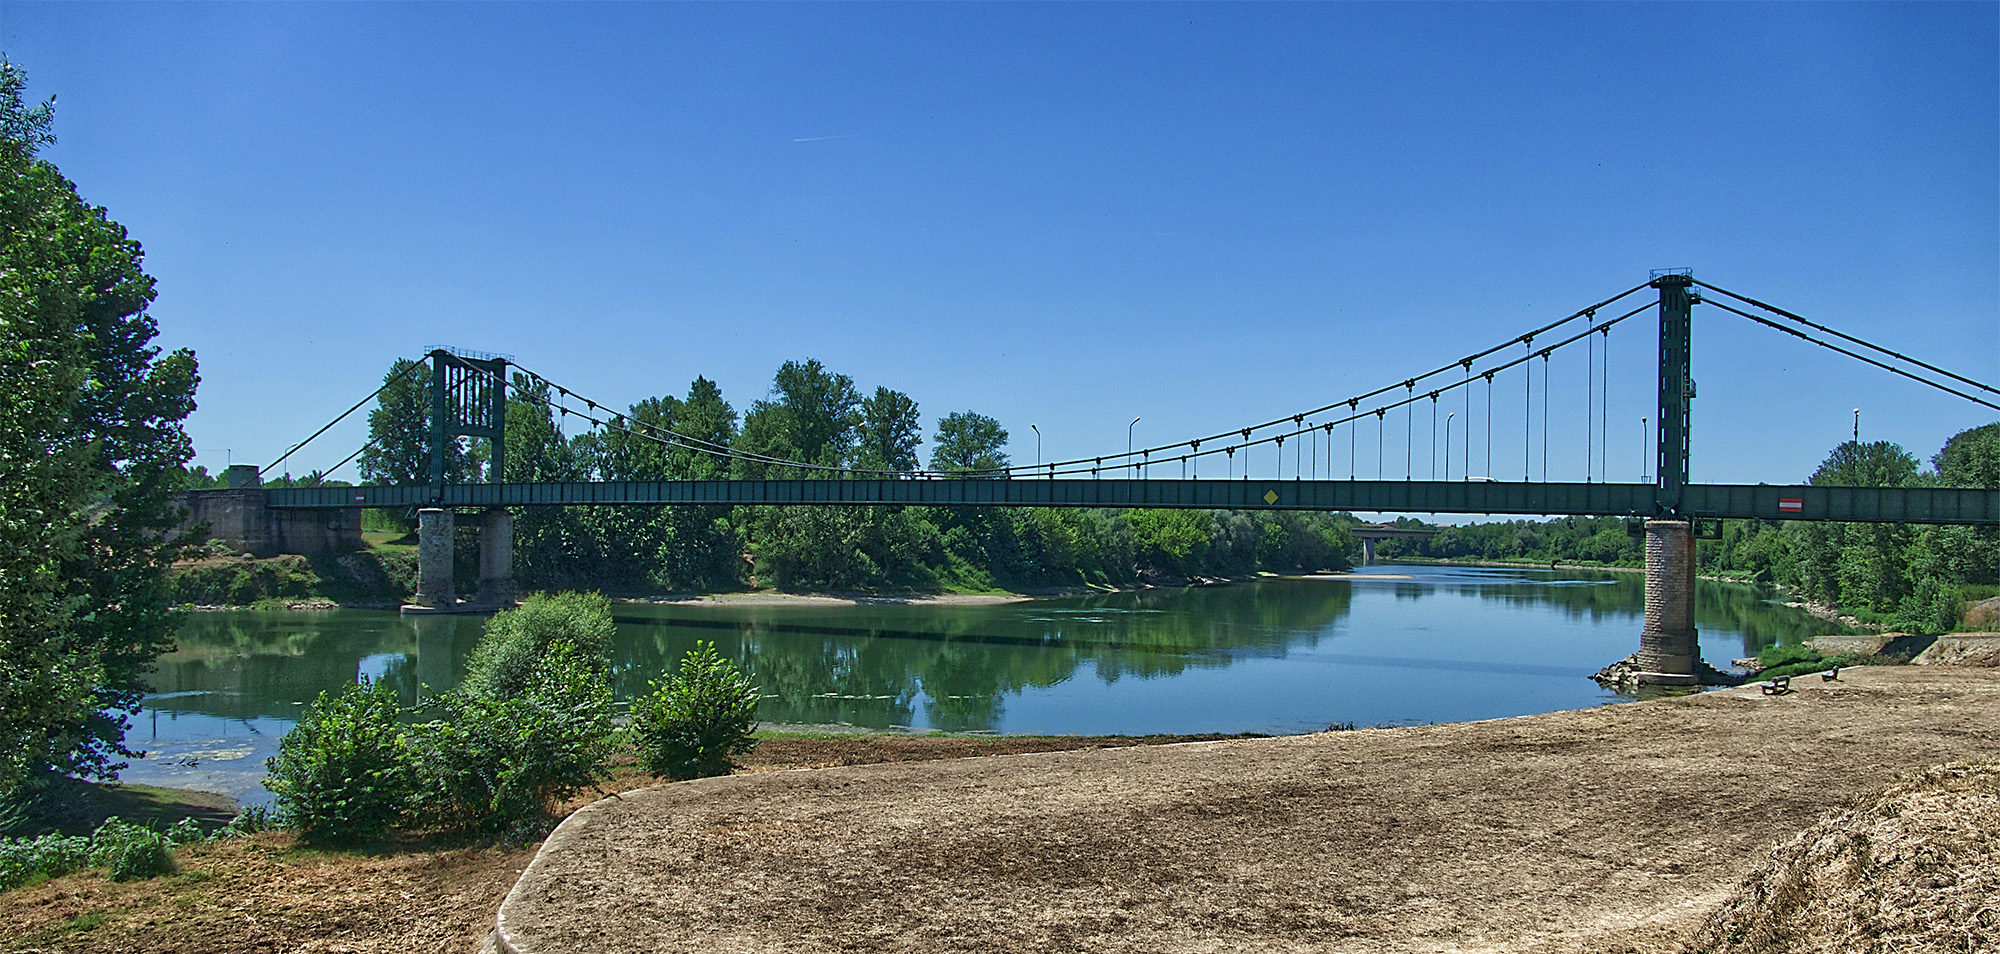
<point>1791,505</point>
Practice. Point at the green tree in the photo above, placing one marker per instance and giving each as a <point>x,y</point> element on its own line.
<point>969,443</point>
<point>1970,459</point>
<point>399,432</point>
<point>705,417</point>
<point>810,417</point>
<point>890,432</point>
<point>1858,565</point>
<point>91,452</point>
<point>553,546</point>
<point>1876,464</point>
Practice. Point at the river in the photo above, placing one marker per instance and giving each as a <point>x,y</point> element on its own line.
<point>1390,644</point>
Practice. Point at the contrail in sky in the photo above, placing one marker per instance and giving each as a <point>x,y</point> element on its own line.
<point>822,138</point>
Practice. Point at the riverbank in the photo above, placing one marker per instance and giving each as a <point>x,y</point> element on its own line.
<point>1611,829</point>
<point>263,893</point>
<point>1620,828</point>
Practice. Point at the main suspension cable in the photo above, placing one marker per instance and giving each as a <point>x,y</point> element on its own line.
<point>1846,337</point>
<point>1859,357</point>
<point>1409,383</point>
<point>343,416</point>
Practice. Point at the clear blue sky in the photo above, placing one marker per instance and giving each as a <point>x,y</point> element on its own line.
<point>1066,215</point>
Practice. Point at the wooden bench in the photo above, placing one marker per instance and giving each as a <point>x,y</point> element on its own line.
<point>1777,687</point>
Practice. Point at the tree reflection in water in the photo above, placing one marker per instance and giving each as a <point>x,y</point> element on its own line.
<point>957,667</point>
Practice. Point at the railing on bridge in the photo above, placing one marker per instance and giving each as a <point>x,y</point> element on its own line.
<point>1741,501</point>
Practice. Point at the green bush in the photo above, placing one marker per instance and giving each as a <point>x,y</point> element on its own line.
<point>516,641</point>
<point>699,719</point>
<point>251,820</point>
<point>500,763</point>
<point>1798,660</point>
<point>243,581</point>
<point>23,860</point>
<point>1932,607</point>
<point>130,852</point>
<point>344,773</point>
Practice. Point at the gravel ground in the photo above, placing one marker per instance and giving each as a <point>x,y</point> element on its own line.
<point>1612,829</point>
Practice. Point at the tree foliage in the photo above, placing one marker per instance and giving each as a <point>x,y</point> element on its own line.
<point>890,432</point>
<point>516,640</point>
<point>697,720</point>
<point>969,443</point>
<point>399,432</point>
<point>343,774</point>
<point>91,451</point>
<point>811,417</point>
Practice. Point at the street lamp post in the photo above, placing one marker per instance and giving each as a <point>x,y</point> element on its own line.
<point>1038,445</point>
<point>1128,446</point>
<point>1447,444</point>
<point>1857,425</point>
<point>1645,448</point>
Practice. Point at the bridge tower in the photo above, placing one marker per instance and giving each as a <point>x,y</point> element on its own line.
<point>1669,648</point>
<point>1677,300</point>
<point>468,399</point>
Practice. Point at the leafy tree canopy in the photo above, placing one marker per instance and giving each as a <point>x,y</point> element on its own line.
<point>91,452</point>
<point>890,432</point>
<point>1876,464</point>
<point>969,442</point>
<point>811,416</point>
<point>1971,458</point>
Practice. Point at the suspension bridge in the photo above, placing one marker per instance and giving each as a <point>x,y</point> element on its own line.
<point>469,394</point>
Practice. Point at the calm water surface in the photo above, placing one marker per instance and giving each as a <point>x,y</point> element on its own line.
<point>1396,644</point>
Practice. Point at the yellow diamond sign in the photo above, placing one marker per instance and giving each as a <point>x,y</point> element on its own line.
<point>1270,496</point>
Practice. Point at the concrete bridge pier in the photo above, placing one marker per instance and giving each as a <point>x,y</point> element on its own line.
<point>436,590</point>
<point>435,526</point>
<point>1367,551</point>
<point>496,558</point>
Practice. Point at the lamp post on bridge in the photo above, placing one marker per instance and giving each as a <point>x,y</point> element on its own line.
<point>1128,446</point>
<point>1447,443</point>
<point>1645,448</point>
<point>1038,445</point>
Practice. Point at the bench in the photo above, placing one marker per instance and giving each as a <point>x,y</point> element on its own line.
<point>1777,687</point>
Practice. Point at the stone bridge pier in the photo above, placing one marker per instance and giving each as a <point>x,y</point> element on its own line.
<point>1669,648</point>
<point>436,590</point>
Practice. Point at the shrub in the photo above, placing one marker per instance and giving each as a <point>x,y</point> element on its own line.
<point>500,763</point>
<point>130,851</point>
<point>517,640</point>
<point>344,773</point>
<point>23,860</point>
<point>251,820</point>
<point>699,719</point>
<point>1932,607</point>
<point>1798,660</point>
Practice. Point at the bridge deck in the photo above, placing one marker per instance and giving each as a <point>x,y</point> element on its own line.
<point>1865,504</point>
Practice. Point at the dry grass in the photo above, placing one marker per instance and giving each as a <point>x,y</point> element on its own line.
<point>406,895</point>
<point>1915,869</point>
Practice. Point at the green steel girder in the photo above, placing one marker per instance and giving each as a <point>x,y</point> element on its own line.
<point>1860,504</point>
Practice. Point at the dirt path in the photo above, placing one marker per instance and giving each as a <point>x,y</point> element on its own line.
<point>1611,829</point>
